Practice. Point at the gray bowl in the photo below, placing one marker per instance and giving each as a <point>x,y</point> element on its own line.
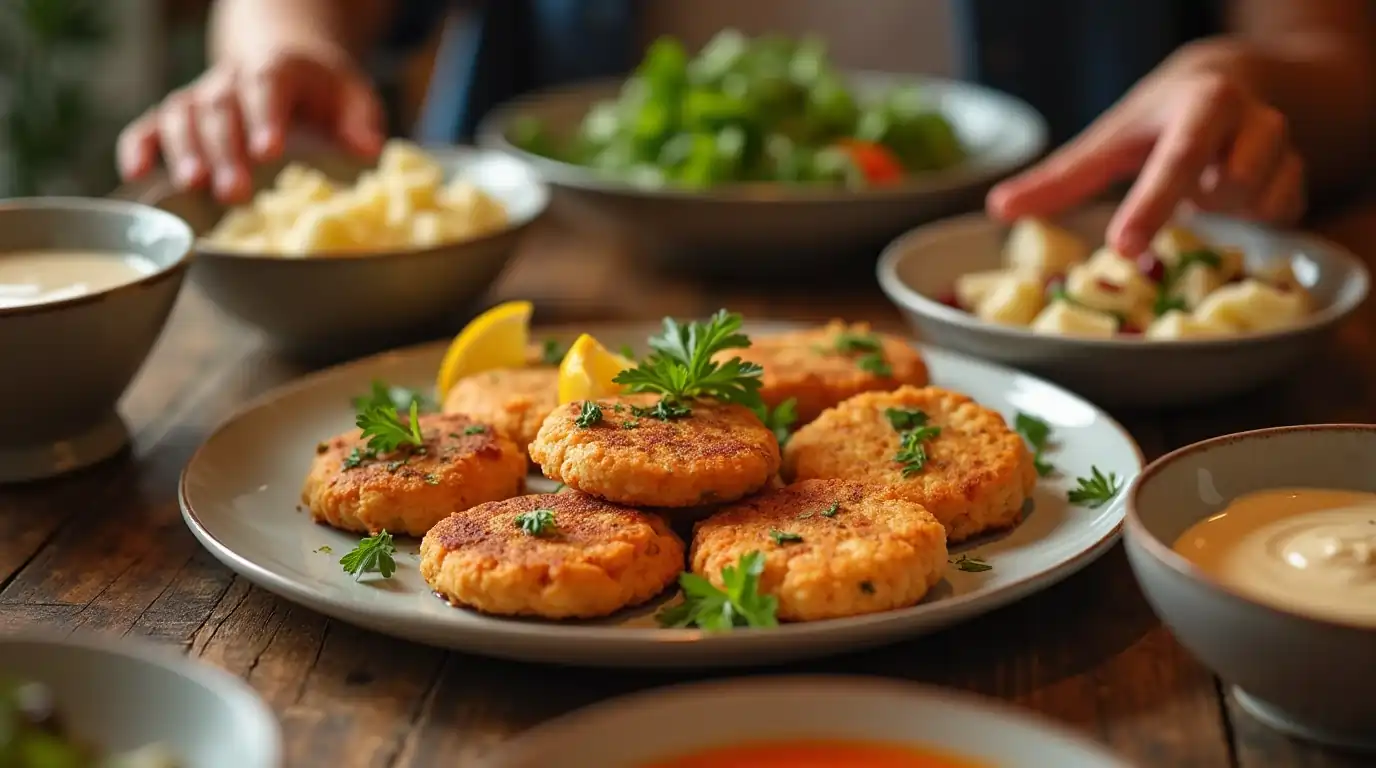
<point>330,305</point>
<point>66,363</point>
<point>918,268</point>
<point>1304,675</point>
<point>125,696</point>
<point>779,225</point>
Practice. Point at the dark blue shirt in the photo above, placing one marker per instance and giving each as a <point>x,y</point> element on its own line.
<point>1071,59</point>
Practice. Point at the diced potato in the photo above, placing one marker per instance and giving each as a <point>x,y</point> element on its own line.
<point>319,230</point>
<point>1039,249</point>
<point>972,288</point>
<point>1110,283</point>
<point>1232,263</point>
<point>1170,242</point>
<point>427,229</point>
<point>1176,324</point>
<point>1013,302</point>
<point>1279,274</point>
<point>1061,318</point>
<point>400,157</point>
<point>1198,281</point>
<point>1252,305</point>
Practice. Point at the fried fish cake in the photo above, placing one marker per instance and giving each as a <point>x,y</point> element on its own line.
<point>820,367</point>
<point>514,400</point>
<point>977,475</point>
<point>463,462</point>
<point>585,558</point>
<point>832,548</point>
<point>717,453</point>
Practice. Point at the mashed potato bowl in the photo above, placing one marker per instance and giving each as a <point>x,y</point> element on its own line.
<point>920,270</point>
<point>353,299</point>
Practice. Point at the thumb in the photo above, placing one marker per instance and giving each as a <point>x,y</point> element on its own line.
<point>1106,152</point>
<point>359,119</point>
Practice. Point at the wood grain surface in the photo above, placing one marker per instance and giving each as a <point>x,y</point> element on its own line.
<point>106,550</point>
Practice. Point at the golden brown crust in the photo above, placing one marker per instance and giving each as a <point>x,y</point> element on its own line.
<point>406,492</point>
<point>861,549</point>
<point>978,475</point>
<point>514,400</point>
<point>807,365</point>
<point>718,453</point>
<point>602,558</point>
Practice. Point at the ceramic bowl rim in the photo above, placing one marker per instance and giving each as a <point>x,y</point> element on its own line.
<point>513,227</point>
<point>1135,529</point>
<point>81,205</point>
<point>239,695</point>
<point>908,298</point>
<point>492,133</point>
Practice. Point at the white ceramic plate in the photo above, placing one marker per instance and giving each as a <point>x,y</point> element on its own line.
<point>201,715</point>
<point>240,495</point>
<point>634,730</point>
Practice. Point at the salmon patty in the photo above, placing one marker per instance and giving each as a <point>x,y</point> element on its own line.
<point>555,556</point>
<point>820,367</point>
<point>974,475</point>
<point>831,548</point>
<point>617,450</point>
<point>463,462</point>
<point>514,400</point>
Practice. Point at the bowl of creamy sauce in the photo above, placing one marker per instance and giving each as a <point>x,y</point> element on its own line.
<point>86,287</point>
<point>1258,552</point>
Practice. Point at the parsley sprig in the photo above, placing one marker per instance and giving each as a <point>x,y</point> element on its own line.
<point>385,431</point>
<point>1096,490</point>
<point>680,367</point>
<point>551,353</point>
<point>1037,433</point>
<point>740,604</point>
<point>913,431</point>
<point>400,398</point>
<point>780,420</point>
<point>872,360</point>
<point>537,522</point>
<point>372,555</point>
<point>971,564</point>
<point>1166,300</point>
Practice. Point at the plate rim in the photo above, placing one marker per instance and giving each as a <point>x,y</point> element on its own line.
<point>998,711</point>
<point>504,627</point>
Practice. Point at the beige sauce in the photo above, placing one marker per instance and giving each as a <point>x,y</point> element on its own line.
<point>1308,550</point>
<point>39,277</point>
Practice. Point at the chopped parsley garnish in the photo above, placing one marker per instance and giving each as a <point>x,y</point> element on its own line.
<point>630,424</point>
<point>832,510</point>
<point>551,353</point>
<point>475,429</point>
<point>913,432</point>
<point>372,555</point>
<point>874,363</point>
<point>589,416</point>
<point>558,488</point>
<point>1096,490</point>
<point>849,343</point>
<point>785,537</point>
<point>739,604</point>
<point>971,564</point>
<point>1037,433</point>
<point>780,420</point>
<point>432,479</point>
<point>385,431</point>
<point>537,522</point>
<point>325,550</point>
<point>357,457</point>
<point>680,367</point>
<point>399,398</point>
<point>1165,298</point>
<point>626,352</point>
<point>664,410</point>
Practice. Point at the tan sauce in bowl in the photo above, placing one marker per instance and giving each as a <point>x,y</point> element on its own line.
<point>1307,550</point>
<point>45,276</point>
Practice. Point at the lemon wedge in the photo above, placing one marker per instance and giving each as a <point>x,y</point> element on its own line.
<point>588,370</point>
<point>495,339</point>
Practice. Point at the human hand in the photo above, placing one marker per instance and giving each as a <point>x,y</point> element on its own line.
<point>237,113</point>
<point>1191,132</point>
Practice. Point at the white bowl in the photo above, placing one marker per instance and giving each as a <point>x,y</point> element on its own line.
<point>656,725</point>
<point>124,696</point>
<point>918,268</point>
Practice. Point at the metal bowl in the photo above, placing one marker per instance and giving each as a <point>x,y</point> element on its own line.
<point>350,303</point>
<point>777,225</point>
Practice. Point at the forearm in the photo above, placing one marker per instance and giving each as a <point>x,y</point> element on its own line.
<point>249,28</point>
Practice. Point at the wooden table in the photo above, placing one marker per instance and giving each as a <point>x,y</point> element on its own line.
<point>106,550</point>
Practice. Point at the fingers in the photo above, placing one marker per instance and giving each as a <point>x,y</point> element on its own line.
<point>221,136</point>
<point>266,101</point>
<point>360,122</point>
<point>1108,151</point>
<point>180,146</point>
<point>1187,145</point>
<point>137,148</point>
<point>1282,200</point>
<point>1242,177</point>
